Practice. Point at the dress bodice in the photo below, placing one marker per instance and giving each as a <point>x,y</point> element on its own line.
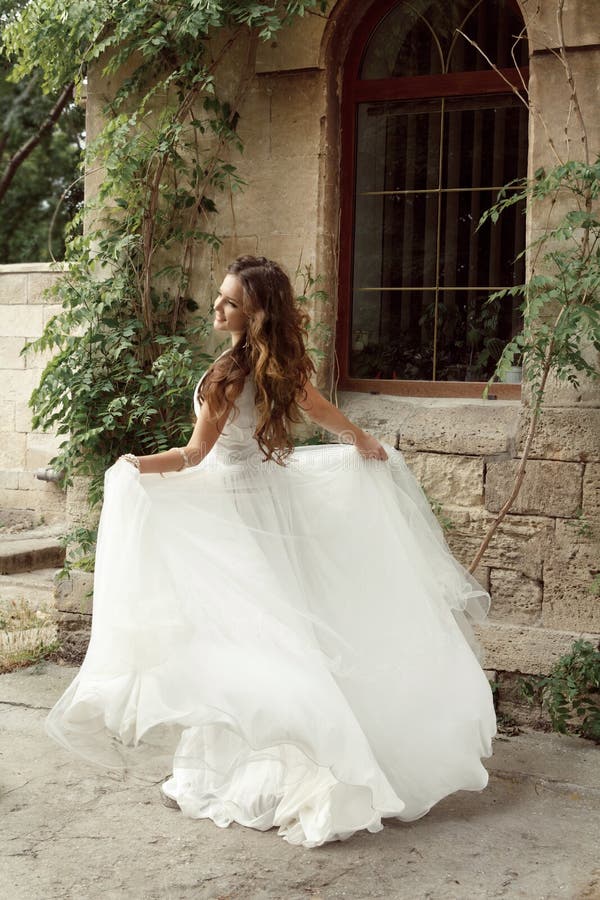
<point>236,441</point>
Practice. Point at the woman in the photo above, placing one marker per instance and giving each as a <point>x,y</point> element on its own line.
<point>285,629</point>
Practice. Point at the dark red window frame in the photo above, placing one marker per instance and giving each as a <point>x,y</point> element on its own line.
<point>354,91</point>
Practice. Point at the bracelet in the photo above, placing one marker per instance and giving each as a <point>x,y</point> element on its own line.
<point>132,459</point>
<point>185,458</point>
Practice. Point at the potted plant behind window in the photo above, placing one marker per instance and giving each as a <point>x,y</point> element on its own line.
<point>514,374</point>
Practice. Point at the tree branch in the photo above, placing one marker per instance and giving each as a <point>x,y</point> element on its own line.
<point>27,148</point>
<point>520,474</point>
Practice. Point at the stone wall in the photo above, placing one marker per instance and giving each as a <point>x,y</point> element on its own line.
<point>24,499</point>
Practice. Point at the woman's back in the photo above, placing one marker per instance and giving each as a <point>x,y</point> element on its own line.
<point>237,439</point>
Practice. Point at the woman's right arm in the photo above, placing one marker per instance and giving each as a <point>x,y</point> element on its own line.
<point>328,416</point>
<point>204,436</point>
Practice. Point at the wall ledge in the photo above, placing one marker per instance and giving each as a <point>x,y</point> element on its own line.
<point>8,268</point>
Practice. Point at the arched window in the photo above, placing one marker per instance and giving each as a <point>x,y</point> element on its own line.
<point>430,132</point>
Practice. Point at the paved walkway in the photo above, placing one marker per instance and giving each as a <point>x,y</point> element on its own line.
<point>71,831</point>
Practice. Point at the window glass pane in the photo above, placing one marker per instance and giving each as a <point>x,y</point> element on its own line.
<point>496,26</point>
<point>392,335</point>
<point>399,145</point>
<point>396,240</point>
<point>402,45</point>
<point>426,171</point>
<point>485,141</point>
<point>471,334</point>
<point>470,256</point>
<point>422,38</point>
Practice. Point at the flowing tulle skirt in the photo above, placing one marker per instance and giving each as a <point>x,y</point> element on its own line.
<point>293,644</point>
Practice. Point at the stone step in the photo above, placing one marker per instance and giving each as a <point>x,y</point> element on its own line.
<point>34,590</point>
<point>528,649</point>
<point>27,616</point>
<point>26,551</point>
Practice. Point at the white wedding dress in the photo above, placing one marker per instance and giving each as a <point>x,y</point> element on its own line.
<point>292,643</point>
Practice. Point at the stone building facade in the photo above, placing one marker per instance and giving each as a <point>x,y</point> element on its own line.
<point>540,566</point>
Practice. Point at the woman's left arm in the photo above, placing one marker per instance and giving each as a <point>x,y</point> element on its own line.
<point>204,436</point>
<point>324,413</point>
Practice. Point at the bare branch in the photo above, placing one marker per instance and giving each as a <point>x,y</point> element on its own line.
<point>515,44</point>
<point>562,51</point>
<point>525,100</point>
<point>507,81</point>
<point>520,475</point>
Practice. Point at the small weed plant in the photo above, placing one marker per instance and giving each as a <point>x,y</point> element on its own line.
<point>571,692</point>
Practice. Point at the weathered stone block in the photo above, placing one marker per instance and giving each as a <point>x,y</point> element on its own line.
<point>558,393</point>
<point>73,595</point>
<point>449,479</point>
<point>13,287</point>
<point>29,482</point>
<point>295,211</point>
<point>590,504</point>
<point>290,248</point>
<point>254,126</point>
<point>569,570</point>
<point>9,479</point>
<point>512,702</point>
<point>47,505</point>
<point>77,510</point>
<point>580,22</point>
<point>464,429</point>
<point>295,121</point>
<point>50,310</point>
<point>41,448</point>
<point>515,598</point>
<point>22,415</point>
<point>10,352</point>
<point>434,425</point>
<point>7,416</point>
<point>569,434</point>
<point>16,385</point>
<point>548,489</point>
<point>12,451</point>
<point>292,48</point>
<point>549,91</point>
<point>38,282</point>
<point>21,320</point>
<point>525,648</point>
<point>520,543</point>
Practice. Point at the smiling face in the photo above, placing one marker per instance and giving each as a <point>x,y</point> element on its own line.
<point>229,315</point>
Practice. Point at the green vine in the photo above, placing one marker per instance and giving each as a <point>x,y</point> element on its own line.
<point>561,300</point>
<point>130,340</point>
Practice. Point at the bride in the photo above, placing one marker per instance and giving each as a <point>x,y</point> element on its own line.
<point>283,629</point>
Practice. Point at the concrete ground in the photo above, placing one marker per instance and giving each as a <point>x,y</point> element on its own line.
<point>72,831</point>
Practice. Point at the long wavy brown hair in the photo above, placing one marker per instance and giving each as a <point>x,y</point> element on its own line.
<point>272,350</point>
